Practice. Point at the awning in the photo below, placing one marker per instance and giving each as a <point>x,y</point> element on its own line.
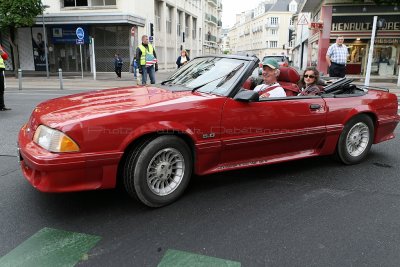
<point>310,5</point>
<point>91,18</point>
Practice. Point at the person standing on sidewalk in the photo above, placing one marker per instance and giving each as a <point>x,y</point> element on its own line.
<point>336,56</point>
<point>3,56</point>
<point>182,59</point>
<point>147,60</point>
<point>134,68</point>
<point>118,65</point>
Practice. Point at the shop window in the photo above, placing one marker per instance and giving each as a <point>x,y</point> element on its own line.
<point>383,60</point>
<point>356,53</point>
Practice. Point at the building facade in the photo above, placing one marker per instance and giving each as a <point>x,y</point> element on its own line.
<point>264,30</point>
<point>115,27</point>
<point>332,18</point>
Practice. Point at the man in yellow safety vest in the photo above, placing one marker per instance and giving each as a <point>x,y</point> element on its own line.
<point>146,59</point>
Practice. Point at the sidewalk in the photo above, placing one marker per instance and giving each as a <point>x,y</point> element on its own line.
<point>103,81</point>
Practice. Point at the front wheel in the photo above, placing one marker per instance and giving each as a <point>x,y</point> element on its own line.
<point>158,171</point>
<point>356,140</point>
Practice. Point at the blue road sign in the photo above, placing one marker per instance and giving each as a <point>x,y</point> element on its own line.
<point>80,41</point>
<point>80,33</point>
<point>151,39</point>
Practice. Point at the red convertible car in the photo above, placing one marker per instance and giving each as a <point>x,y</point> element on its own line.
<point>204,119</point>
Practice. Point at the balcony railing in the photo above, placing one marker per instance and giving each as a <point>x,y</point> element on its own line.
<point>213,2</point>
<point>210,18</point>
<point>271,25</point>
<point>214,19</point>
<point>210,38</point>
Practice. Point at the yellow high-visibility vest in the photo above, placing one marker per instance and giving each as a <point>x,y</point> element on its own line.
<point>144,52</point>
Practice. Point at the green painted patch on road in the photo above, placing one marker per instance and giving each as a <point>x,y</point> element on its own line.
<point>51,247</point>
<point>175,258</point>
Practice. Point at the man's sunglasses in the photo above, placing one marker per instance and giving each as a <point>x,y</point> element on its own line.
<point>309,76</point>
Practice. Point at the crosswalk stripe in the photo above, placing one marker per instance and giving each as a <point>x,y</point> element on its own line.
<point>176,258</point>
<point>50,247</point>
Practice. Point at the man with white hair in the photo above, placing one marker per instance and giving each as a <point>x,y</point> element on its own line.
<point>270,73</point>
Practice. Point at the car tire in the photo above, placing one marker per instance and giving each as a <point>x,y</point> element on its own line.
<point>157,171</point>
<point>355,140</point>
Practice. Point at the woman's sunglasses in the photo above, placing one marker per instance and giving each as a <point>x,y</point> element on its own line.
<point>309,76</point>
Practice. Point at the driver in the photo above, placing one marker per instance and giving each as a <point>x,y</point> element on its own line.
<point>270,73</point>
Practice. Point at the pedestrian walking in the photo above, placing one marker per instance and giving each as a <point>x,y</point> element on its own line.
<point>147,60</point>
<point>118,65</point>
<point>336,56</point>
<point>134,66</point>
<point>182,59</point>
<point>3,56</point>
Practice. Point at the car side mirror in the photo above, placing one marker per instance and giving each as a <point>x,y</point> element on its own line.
<point>247,96</point>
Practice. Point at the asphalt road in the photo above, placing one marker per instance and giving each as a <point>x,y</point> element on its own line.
<point>313,212</point>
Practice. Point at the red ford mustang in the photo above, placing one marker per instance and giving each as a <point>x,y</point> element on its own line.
<point>202,120</point>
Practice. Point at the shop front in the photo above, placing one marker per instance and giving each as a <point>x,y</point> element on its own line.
<point>355,22</point>
<point>357,32</point>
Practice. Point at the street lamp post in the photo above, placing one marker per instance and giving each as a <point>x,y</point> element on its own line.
<point>45,42</point>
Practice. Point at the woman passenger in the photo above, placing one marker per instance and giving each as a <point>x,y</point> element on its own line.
<point>308,83</point>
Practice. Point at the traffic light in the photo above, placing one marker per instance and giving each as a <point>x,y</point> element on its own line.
<point>151,29</point>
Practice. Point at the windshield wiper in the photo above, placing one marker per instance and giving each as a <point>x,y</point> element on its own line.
<point>224,78</point>
<point>230,75</point>
<point>167,81</point>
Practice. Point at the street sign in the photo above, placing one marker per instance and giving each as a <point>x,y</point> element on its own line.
<point>151,39</point>
<point>80,33</point>
<point>317,25</point>
<point>80,41</point>
<point>303,20</point>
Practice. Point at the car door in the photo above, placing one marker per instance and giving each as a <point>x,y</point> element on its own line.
<point>272,128</point>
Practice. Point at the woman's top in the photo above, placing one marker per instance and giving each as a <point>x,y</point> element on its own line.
<point>312,89</point>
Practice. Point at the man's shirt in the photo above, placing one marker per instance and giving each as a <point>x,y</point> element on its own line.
<point>277,90</point>
<point>338,54</point>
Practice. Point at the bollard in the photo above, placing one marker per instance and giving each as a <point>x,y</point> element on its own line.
<point>19,79</point>
<point>60,78</point>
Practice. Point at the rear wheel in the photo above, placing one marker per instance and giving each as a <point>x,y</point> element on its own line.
<point>356,140</point>
<point>158,171</point>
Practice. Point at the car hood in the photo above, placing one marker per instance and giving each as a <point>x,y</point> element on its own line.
<point>84,106</point>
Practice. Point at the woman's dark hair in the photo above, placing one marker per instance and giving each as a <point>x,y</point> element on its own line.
<point>302,83</point>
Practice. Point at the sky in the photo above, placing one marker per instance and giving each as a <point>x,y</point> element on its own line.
<point>232,7</point>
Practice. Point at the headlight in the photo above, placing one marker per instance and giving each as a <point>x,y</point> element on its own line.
<point>53,140</point>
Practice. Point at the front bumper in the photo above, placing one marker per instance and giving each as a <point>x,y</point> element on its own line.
<point>66,172</point>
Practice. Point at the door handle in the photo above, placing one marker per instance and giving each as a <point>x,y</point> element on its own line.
<point>315,106</point>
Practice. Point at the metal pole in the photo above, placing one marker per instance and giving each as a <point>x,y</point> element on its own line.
<point>60,78</point>
<point>80,50</point>
<point>398,79</point>
<point>45,47</point>
<point>301,48</point>
<point>19,79</point>
<point>371,51</point>
<point>94,60</point>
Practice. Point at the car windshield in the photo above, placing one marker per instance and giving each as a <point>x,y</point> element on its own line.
<point>277,58</point>
<point>208,74</point>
